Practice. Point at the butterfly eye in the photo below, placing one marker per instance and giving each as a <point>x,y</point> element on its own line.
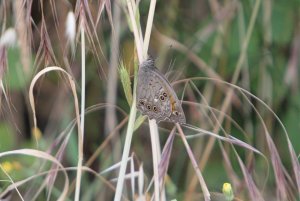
<point>162,97</point>
<point>154,108</point>
<point>176,113</point>
<point>165,94</point>
<point>149,107</point>
<point>142,102</point>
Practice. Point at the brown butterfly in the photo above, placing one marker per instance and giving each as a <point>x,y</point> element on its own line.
<point>155,96</point>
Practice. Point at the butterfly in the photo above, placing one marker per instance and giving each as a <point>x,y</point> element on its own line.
<point>155,96</point>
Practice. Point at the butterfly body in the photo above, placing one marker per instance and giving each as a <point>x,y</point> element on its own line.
<point>155,96</point>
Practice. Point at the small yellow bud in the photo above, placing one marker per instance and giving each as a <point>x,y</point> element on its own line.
<point>7,166</point>
<point>37,134</point>
<point>227,191</point>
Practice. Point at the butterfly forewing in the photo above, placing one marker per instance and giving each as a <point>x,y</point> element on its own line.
<point>155,96</point>
<point>148,101</point>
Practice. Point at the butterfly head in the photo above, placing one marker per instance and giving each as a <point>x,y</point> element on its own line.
<point>149,63</point>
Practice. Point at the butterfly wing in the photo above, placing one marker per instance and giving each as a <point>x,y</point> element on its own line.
<point>155,96</point>
<point>148,100</point>
<point>177,114</point>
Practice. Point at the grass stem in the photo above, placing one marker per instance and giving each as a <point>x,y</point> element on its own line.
<point>81,137</point>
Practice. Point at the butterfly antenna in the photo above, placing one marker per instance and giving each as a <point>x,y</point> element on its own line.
<point>171,65</point>
<point>183,92</point>
<point>170,68</point>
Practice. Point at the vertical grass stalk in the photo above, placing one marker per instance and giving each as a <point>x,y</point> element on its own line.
<point>155,155</point>
<point>132,115</point>
<point>156,152</point>
<point>129,133</point>
<point>82,108</point>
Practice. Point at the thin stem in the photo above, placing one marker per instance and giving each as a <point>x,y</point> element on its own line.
<point>194,163</point>
<point>149,27</point>
<point>132,115</point>
<point>155,156</point>
<point>156,152</point>
<point>81,137</point>
<point>110,113</point>
<point>129,134</point>
<point>82,78</point>
<point>135,31</point>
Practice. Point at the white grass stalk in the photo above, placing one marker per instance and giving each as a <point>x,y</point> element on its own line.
<point>128,139</point>
<point>132,179</point>
<point>3,90</point>
<point>130,176</point>
<point>155,156</point>
<point>149,27</point>
<point>141,181</point>
<point>80,140</point>
<point>135,10</point>
<point>135,31</point>
<point>113,167</point>
<point>155,142</point>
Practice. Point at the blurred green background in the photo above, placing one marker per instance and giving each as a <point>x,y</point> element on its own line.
<point>187,38</point>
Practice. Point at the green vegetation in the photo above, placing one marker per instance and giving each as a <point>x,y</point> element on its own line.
<point>234,64</point>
